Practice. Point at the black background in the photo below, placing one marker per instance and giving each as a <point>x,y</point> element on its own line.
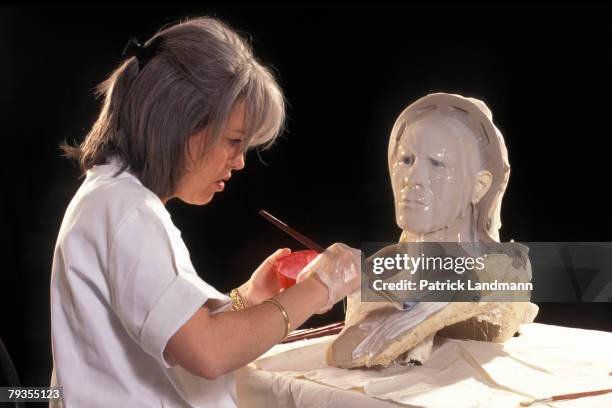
<point>347,73</point>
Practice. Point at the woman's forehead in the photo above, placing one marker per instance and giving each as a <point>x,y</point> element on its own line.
<point>237,117</point>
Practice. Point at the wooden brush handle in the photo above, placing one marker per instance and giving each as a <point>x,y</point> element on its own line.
<point>580,394</point>
<point>316,332</point>
<point>307,242</point>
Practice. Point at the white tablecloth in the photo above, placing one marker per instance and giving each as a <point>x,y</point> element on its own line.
<point>544,360</point>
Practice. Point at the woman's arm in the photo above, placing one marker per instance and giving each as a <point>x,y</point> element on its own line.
<point>263,284</point>
<point>209,346</point>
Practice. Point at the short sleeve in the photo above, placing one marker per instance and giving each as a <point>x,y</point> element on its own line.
<point>154,287</point>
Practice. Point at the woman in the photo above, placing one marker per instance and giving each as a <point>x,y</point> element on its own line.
<point>132,323</point>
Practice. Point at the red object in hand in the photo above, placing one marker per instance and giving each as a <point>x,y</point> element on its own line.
<point>290,266</point>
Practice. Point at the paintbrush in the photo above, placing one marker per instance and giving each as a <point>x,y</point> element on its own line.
<point>566,397</point>
<point>314,333</point>
<point>307,242</point>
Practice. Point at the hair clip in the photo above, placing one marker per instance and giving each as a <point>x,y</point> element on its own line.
<point>142,53</point>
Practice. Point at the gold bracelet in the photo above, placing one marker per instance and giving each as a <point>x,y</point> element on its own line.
<point>237,303</point>
<point>284,313</point>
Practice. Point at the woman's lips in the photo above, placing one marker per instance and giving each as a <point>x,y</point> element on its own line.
<point>220,184</point>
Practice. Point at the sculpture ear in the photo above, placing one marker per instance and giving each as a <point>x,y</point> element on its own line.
<point>484,179</point>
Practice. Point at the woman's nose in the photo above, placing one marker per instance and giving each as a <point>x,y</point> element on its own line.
<point>237,162</point>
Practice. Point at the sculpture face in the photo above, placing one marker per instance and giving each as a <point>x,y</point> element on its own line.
<point>433,172</point>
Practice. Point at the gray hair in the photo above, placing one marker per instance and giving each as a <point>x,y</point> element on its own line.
<point>198,73</point>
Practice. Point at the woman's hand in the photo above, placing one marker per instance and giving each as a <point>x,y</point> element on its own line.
<point>338,268</point>
<point>263,284</point>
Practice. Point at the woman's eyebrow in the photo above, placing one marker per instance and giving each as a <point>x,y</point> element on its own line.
<point>238,131</point>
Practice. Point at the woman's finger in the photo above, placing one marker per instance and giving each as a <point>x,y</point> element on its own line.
<point>279,253</point>
<point>268,264</point>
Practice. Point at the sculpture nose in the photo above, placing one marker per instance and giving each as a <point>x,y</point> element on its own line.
<point>417,176</point>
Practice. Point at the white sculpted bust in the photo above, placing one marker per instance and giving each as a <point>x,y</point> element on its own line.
<point>449,169</point>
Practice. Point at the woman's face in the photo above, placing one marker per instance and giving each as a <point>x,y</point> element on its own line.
<point>206,174</point>
<point>430,176</point>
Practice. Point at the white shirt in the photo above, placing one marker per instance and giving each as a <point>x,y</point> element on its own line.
<point>122,284</point>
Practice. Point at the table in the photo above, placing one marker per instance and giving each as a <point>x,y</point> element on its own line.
<point>544,360</point>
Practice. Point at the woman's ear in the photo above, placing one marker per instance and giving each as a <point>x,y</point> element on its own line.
<point>484,179</point>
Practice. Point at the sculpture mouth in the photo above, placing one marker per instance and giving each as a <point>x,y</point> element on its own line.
<point>413,203</point>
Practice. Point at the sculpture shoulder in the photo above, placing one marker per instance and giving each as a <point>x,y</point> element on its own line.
<point>507,252</point>
<point>509,262</point>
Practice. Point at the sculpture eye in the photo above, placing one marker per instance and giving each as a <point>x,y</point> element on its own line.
<point>436,163</point>
<point>408,160</point>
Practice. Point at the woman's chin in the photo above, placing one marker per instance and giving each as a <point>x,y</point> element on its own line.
<point>199,200</point>
<point>205,200</point>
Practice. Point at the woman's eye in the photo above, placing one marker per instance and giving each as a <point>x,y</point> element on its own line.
<point>437,163</point>
<point>235,142</point>
<point>408,160</point>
